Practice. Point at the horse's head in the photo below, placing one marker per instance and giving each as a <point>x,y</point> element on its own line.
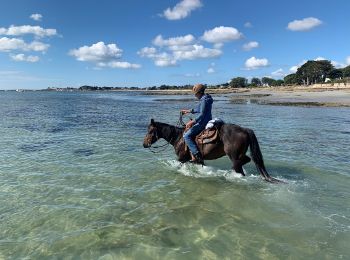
<point>151,136</point>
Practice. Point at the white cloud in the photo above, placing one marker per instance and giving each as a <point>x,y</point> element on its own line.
<point>182,9</point>
<point>36,17</point>
<point>248,25</point>
<point>28,29</point>
<point>180,48</point>
<point>348,60</point>
<point>165,60</point>
<point>338,65</point>
<point>22,57</point>
<point>149,52</point>
<point>293,69</point>
<point>11,44</point>
<point>38,46</point>
<point>97,52</point>
<point>176,49</point>
<point>197,51</point>
<point>210,70</point>
<point>192,75</point>
<point>218,45</point>
<point>305,24</point>
<point>177,53</point>
<point>181,40</point>
<point>278,73</point>
<point>104,55</point>
<point>160,59</point>
<point>254,63</point>
<point>221,34</point>
<point>119,65</point>
<point>319,58</point>
<point>250,45</point>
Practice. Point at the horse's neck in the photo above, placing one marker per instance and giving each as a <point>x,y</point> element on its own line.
<point>170,133</point>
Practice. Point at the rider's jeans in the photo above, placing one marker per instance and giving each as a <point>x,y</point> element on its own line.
<point>191,133</point>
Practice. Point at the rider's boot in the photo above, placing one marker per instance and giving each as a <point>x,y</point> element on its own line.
<point>197,159</point>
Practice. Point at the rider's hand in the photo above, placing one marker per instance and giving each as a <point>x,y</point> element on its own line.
<point>184,111</point>
<point>190,124</point>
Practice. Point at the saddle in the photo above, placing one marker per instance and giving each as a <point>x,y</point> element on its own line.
<point>207,136</point>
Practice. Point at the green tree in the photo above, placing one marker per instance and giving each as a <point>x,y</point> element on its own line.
<point>269,81</point>
<point>314,71</point>
<point>256,82</point>
<point>335,74</point>
<point>280,82</point>
<point>238,82</point>
<point>291,79</point>
<point>346,72</point>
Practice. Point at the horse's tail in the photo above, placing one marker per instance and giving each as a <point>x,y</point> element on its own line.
<point>257,157</point>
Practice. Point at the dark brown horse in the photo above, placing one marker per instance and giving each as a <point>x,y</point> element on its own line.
<point>233,142</point>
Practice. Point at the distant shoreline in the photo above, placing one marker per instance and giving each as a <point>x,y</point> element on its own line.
<point>297,96</point>
<point>325,95</point>
<point>318,95</point>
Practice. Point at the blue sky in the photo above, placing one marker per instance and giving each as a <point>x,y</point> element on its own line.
<point>145,43</point>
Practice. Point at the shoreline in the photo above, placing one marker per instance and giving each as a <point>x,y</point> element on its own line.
<point>312,96</point>
<point>318,95</point>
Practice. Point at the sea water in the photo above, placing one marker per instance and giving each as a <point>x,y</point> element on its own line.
<point>76,182</point>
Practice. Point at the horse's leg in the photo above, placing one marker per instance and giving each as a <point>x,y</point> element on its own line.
<point>237,166</point>
<point>238,160</point>
<point>245,160</point>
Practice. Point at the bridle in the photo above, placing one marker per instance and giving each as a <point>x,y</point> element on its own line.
<point>163,147</point>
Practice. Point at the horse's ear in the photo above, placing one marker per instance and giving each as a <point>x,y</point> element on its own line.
<point>152,122</point>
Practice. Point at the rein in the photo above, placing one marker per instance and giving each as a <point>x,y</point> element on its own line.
<point>164,146</point>
<point>180,123</point>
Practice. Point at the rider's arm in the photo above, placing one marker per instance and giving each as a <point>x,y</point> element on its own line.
<point>196,109</point>
<point>201,110</point>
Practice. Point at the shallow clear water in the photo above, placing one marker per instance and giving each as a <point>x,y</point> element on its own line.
<point>75,182</point>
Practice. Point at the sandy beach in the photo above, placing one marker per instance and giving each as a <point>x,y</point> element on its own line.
<point>296,97</point>
<point>316,95</point>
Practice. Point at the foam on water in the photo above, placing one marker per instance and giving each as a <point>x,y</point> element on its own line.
<point>199,171</point>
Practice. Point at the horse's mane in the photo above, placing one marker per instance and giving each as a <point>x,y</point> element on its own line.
<point>162,125</point>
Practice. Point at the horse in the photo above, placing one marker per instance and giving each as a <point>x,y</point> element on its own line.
<point>234,141</point>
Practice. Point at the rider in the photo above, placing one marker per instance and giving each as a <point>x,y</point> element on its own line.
<point>197,125</point>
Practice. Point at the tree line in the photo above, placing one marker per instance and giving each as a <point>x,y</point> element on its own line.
<point>312,72</point>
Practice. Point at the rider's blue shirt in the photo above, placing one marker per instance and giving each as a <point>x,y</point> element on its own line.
<point>204,110</point>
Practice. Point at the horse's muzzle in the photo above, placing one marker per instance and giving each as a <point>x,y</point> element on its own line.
<point>146,145</point>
